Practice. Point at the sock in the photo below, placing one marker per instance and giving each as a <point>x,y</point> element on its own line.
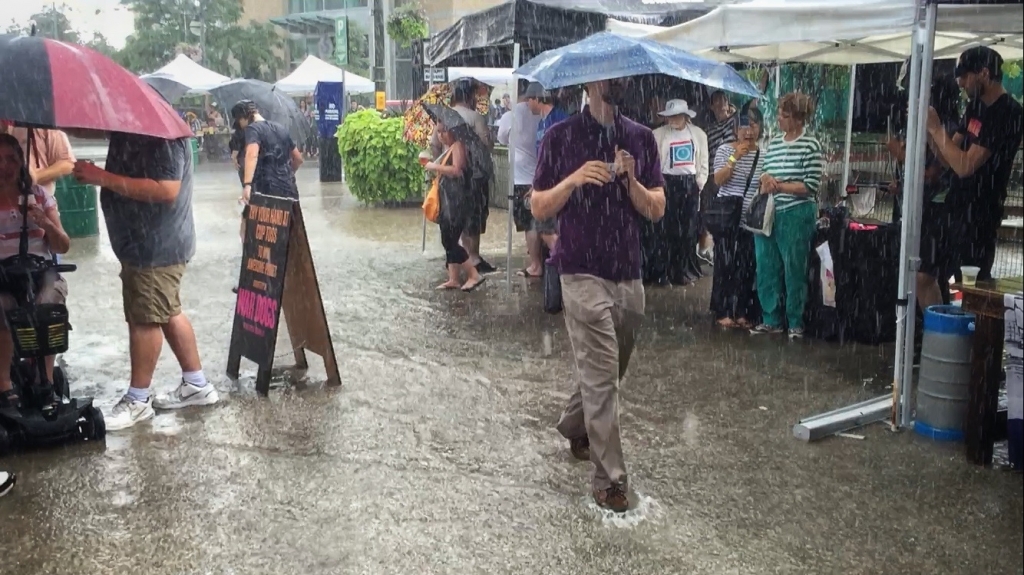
<point>138,394</point>
<point>194,378</point>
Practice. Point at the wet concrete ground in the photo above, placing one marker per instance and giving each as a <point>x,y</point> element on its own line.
<point>438,454</point>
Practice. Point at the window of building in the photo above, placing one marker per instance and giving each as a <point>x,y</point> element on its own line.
<point>341,4</point>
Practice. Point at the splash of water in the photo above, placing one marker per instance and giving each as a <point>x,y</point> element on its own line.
<point>642,508</point>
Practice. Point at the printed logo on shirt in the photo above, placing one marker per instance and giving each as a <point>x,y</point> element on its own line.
<point>681,154</point>
<point>974,127</point>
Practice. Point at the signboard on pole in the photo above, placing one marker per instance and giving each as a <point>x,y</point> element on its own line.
<point>435,75</point>
<point>341,41</point>
<point>381,101</point>
<point>329,101</point>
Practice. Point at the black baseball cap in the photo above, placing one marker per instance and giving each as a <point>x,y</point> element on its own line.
<point>974,60</point>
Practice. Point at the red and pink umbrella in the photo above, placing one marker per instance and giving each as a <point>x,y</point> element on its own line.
<point>49,84</point>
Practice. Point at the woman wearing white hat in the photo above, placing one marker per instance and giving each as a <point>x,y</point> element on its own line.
<point>669,253</point>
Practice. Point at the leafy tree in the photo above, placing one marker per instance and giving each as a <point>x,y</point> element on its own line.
<point>100,44</point>
<point>162,30</point>
<point>52,22</point>
<point>358,50</point>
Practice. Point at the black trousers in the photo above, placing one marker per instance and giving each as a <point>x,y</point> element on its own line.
<point>453,252</point>
<point>669,246</point>
<point>733,293</point>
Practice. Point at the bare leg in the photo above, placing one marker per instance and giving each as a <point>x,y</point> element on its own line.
<point>928,293</point>
<point>473,277</point>
<point>550,240</point>
<point>535,246</point>
<point>144,344</point>
<point>472,246</point>
<point>453,277</point>
<point>182,340</point>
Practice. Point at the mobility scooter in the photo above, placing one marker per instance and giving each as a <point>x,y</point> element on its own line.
<point>47,414</point>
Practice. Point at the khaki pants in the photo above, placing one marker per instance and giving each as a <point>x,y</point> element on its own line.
<point>151,295</point>
<point>601,317</point>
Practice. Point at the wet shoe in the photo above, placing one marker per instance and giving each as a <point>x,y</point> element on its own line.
<point>580,448</point>
<point>187,395</point>
<point>765,329</point>
<point>128,412</point>
<point>613,498</point>
<point>485,268</point>
<point>796,333</point>
<point>662,282</point>
<point>7,481</point>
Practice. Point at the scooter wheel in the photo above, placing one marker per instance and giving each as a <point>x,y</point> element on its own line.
<point>93,428</point>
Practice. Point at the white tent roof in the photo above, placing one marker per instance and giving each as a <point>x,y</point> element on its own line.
<point>185,71</point>
<point>841,32</point>
<point>489,76</point>
<point>312,70</point>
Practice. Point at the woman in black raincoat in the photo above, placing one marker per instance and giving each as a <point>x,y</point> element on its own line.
<point>453,174</point>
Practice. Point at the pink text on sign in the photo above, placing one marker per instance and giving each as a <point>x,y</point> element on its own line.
<point>257,308</point>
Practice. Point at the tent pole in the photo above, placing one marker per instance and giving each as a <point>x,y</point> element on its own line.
<point>512,168</point>
<point>851,97</point>
<point>914,202</point>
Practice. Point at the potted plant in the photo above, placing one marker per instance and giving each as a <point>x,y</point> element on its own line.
<point>407,24</point>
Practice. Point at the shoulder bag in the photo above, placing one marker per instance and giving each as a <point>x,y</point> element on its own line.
<point>432,201</point>
<point>724,213</point>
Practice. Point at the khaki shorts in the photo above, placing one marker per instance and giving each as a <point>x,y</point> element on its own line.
<point>151,295</point>
<point>52,289</point>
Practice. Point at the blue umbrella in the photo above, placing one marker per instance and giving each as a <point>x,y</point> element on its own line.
<point>605,56</point>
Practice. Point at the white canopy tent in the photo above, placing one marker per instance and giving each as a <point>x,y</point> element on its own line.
<point>489,76</point>
<point>312,70</point>
<point>185,71</point>
<point>839,32</point>
<point>851,32</point>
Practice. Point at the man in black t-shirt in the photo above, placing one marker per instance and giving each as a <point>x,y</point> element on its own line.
<point>981,154</point>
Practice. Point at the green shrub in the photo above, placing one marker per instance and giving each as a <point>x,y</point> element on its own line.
<point>380,167</point>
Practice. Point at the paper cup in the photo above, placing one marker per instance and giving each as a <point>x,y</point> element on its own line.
<point>970,274</point>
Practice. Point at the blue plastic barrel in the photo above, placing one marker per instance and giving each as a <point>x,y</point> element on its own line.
<point>945,376</point>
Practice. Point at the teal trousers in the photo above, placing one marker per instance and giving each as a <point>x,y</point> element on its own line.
<point>782,265</point>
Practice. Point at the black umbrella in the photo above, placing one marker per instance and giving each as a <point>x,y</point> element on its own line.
<point>480,162</point>
<point>272,104</point>
<point>171,90</point>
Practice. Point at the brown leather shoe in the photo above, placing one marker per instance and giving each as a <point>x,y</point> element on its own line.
<point>613,498</point>
<point>580,448</point>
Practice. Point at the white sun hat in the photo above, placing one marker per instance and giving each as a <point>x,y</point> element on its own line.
<point>677,108</point>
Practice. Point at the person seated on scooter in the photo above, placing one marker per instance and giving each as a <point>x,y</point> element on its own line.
<point>46,237</point>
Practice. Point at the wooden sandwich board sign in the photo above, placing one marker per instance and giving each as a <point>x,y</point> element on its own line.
<point>277,275</point>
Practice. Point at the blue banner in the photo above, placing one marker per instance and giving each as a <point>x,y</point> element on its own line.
<point>329,99</point>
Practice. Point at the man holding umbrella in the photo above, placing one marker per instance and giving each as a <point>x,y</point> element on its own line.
<point>599,173</point>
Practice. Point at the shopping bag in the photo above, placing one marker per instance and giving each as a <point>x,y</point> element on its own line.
<point>760,215</point>
<point>432,201</point>
<point>827,275</point>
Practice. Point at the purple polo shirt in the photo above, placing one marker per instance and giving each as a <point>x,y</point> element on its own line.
<point>598,228</point>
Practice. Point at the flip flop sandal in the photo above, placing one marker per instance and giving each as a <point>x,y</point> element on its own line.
<point>468,289</point>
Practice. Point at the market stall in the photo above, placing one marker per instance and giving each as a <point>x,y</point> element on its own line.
<point>849,32</point>
<point>488,37</point>
<point>303,80</point>
<point>183,70</point>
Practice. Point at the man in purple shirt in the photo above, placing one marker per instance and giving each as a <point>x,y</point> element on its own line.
<point>599,173</point>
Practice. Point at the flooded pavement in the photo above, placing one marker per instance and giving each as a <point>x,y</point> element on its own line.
<point>438,455</point>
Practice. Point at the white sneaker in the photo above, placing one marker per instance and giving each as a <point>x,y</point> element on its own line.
<point>7,481</point>
<point>128,412</point>
<point>187,395</point>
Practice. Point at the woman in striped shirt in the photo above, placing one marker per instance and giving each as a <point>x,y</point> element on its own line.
<point>793,167</point>
<point>738,168</point>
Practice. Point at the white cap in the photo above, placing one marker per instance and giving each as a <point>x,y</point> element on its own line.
<point>677,108</point>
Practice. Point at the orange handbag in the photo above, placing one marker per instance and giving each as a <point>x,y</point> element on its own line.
<point>432,201</point>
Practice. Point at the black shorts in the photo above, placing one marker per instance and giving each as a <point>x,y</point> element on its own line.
<point>476,221</point>
<point>940,241</point>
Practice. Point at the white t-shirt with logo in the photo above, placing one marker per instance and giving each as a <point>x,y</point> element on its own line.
<point>678,152</point>
<point>10,228</point>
